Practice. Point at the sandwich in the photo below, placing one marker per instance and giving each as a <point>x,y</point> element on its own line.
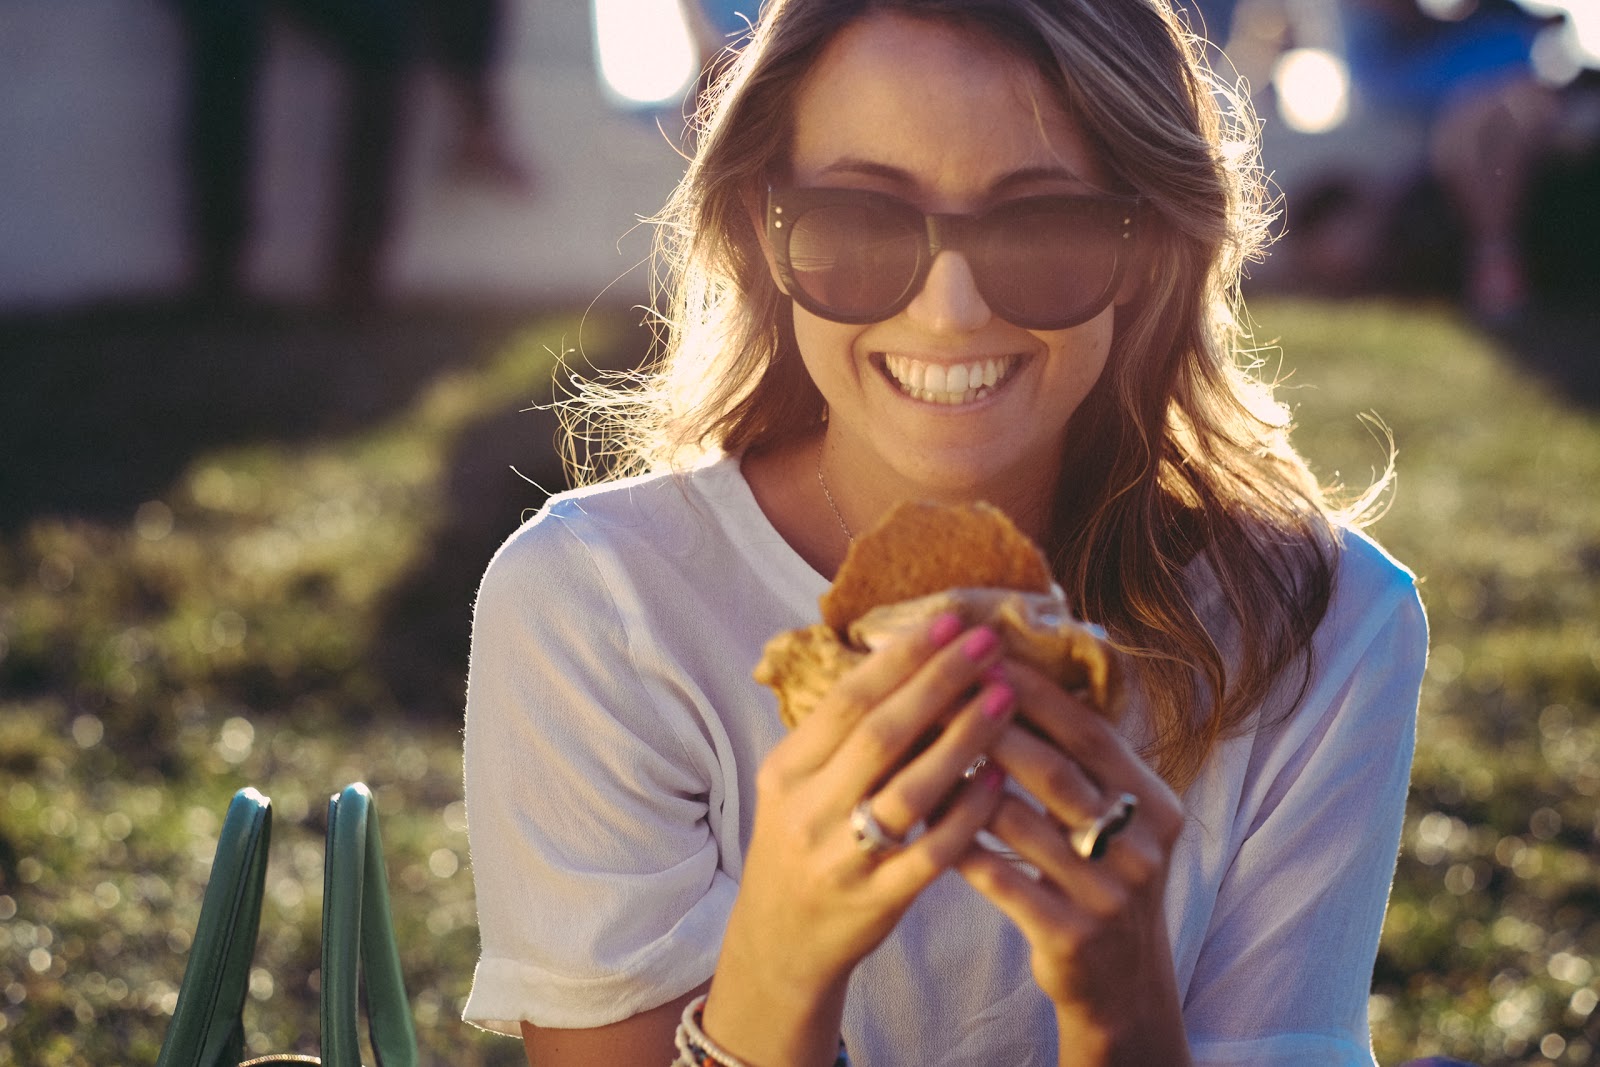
<point>924,559</point>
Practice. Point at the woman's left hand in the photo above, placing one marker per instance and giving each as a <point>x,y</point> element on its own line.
<point>1096,925</point>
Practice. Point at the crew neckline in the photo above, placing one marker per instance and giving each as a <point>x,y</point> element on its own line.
<point>722,480</point>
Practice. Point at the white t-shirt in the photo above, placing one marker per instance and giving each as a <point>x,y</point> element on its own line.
<point>612,738</point>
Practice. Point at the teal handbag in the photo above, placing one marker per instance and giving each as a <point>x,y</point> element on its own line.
<point>207,1028</point>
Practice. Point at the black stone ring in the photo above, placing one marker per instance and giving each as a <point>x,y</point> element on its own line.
<point>1091,842</point>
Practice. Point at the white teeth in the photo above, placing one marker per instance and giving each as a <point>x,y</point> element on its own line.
<point>956,383</point>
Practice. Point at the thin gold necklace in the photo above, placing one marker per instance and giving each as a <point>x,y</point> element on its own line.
<point>833,507</point>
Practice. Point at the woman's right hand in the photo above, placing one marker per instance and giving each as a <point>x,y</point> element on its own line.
<point>812,902</point>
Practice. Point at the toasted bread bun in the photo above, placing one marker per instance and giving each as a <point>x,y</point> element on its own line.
<point>923,560</point>
<point>922,548</point>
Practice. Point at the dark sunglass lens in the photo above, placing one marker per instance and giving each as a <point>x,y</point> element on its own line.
<point>1052,263</point>
<point>854,259</point>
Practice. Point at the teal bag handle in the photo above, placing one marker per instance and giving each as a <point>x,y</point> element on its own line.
<point>207,1028</point>
<point>357,933</point>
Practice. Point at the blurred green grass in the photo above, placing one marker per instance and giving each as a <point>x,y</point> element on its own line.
<point>273,616</point>
<point>1490,948</point>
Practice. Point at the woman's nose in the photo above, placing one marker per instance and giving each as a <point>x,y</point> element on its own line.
<point>949,300</point>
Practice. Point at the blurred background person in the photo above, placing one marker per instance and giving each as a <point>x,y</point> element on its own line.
<point>1463,70</point>
<point>377,41</point>
<point>1444,124</point>
<point>464,36</point>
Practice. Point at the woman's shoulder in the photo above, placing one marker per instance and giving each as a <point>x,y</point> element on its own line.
<point>1375,614</point>
<point>615,515</point>
<point>1366,574</point>
<point>1363,577</point>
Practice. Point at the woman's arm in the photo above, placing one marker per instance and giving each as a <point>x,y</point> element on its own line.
<point>812,902</point>
<point>645,1038</point>
<point>1309,875</point>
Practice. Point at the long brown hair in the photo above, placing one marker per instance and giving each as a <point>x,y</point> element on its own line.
<point>1185,523</point>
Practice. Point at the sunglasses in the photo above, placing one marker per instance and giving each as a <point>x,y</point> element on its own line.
<point>1042,262</point>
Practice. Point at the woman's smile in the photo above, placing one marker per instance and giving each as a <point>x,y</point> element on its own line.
<point>951,384</point>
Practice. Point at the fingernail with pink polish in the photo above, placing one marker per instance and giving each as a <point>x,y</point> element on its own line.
<point>980,643</point>
<point>944,628</point>
<point>995,674</point>
<point>996,701</point>
<point>992,778</point>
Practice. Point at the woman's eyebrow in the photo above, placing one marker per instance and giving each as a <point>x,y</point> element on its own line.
<point>1020,178</point>
<point>866,168</point>
<point>1027,176</point>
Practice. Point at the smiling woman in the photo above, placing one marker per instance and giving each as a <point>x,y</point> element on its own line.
<point>946,250</point>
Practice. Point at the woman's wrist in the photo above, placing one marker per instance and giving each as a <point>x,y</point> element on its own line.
<point>697,1049</point>
<point>1129,1041</point>
<point>761,1025</point>
<point>770,1002</point>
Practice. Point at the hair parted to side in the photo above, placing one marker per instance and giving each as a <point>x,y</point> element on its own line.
<point>1182,484</point>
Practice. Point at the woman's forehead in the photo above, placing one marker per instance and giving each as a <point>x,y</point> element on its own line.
<point>946,108</point>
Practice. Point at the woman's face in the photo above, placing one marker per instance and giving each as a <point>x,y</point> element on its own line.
<point>954,123</point>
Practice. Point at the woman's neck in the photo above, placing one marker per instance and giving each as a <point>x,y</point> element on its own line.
<point>819,497</point>
<point>864,489</point>
<point>783,480</point>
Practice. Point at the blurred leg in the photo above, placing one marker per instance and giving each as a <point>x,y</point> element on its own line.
<point>226,43</point>
<point>1484,146</point>
<point>463,34</point>
<point>464,37</point>
<point>375,38</point>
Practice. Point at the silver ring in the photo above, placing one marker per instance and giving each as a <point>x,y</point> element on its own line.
<point>1091,842</point>
<point>975,768</point>
<point>871,837</point>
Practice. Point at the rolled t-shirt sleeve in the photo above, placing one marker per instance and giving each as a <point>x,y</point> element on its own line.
<point>1286,963</point>
<point>599,888</point>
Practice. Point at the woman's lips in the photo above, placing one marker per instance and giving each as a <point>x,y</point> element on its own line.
<point>947,383</point>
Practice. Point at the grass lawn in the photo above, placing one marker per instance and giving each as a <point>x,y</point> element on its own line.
<point>259,570</point>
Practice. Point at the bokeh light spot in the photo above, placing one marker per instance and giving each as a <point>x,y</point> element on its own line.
<point>87,731</point>
<point>237,740</point>
<point>1313,89</point>
<point>644,51</point>
<point>444,863</point>
<point>153,521</point>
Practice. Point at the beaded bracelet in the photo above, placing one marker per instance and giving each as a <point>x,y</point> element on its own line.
<point>695,1049</point>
